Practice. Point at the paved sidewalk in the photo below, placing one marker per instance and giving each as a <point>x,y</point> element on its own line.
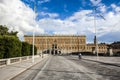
<point>107,60</point>
<point>8,72</point>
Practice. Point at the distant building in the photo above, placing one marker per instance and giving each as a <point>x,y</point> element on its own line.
<point>56,44</point>
<point>60,44</point>
<point>101,48</point>
<point>115,48</point>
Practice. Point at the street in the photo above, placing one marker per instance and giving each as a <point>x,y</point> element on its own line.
<point>69,68</point>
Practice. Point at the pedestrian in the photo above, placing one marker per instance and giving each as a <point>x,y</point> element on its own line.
<point>79,55</point>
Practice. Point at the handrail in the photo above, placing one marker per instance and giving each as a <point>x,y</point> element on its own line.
<point>8,61</point>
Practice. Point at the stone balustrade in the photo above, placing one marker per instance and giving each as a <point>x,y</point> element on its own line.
<point>4,62</point>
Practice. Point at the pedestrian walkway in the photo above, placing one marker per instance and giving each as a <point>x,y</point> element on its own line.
<point>107,60</point>
<point>8,72</point>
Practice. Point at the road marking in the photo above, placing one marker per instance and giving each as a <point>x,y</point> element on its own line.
<point>37,76</point>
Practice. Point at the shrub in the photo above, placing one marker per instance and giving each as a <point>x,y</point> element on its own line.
<point>10,46</point>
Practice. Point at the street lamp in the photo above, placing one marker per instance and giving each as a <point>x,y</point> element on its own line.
<point>33,34</point>
<point>96,42</point>
<point>96,45</point>
<point>33,46</point>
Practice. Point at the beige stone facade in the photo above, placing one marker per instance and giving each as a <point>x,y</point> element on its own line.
<point>102,48</point>
<point>63,44</point>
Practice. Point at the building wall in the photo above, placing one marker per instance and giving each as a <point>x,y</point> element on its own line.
<point>115,47</point>
<point>102,48</point>
<point>65,43</point>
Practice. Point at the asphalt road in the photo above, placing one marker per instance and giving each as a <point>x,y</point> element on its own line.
<point>69,68</point>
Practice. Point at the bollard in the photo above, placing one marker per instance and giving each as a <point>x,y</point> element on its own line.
<point>8,62</point>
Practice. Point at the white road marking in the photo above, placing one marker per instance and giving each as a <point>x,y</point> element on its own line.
<point>38,75</point>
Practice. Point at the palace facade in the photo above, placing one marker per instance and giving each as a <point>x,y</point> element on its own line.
<point>62,44</point>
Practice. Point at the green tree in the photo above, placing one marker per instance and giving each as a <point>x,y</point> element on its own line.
<point>25,49</point>
<point>13,33</point>
<point>10,46</point>
<point>3,30</point>
<point>2,48</point>
<point>31,49</point>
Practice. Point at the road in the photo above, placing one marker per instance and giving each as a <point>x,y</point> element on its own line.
<point>69,68</point>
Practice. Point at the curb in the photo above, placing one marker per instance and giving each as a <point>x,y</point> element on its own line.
<point>26,69</point>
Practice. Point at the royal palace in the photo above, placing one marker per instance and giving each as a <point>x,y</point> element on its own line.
<point>64,44</point>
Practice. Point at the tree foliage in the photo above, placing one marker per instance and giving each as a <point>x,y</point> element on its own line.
<point>3,30</point>
<point>31,49</point>
<point>25,49</point>
<point>11,46</point>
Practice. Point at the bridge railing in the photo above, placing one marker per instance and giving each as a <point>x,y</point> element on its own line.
<point>4,62</point>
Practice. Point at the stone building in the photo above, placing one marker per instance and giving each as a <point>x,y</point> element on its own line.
<point>62,44</point>
<point>56,44</point>
<point>101,48</point>
<point>115,48</point>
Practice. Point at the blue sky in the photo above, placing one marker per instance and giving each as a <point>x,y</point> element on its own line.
<point>63,17</point>
<point>66,8</point>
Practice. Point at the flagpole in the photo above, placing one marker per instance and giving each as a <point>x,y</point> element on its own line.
<point>33,35</point>
<point>33,47</point>
<point>96,45</point>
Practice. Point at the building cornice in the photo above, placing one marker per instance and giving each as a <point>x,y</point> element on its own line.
<point>47,35</point>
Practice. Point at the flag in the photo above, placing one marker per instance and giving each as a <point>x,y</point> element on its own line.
<point>102,16</point>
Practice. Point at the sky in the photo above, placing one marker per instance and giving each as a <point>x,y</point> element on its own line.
<point>63,17</point>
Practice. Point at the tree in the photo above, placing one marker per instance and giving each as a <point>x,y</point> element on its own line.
<point>25,49</point>
<point>13,33</point>
<point>31,49</point>
<point>3,30</point>
<point>10,46</point>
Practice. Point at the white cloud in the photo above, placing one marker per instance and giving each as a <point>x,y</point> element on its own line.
<point>43,1</point>
<point>20,17</point>
<point>95,2</point>
<point>102,8</point>
<point>115,8</point>
<point>16,15</point>
<point>82,23</point>
<point>51,15</point>
<point>72,25</point>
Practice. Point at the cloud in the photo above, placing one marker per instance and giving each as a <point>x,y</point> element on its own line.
<point>102,8</point>
<point>95,2</point>
<point>16,15</point>
<point>82,22</point>
<point>43,1</point>
<point>115,8</point>
<point>50,15</point>
<point>67,26</point>
<point>20,17</point>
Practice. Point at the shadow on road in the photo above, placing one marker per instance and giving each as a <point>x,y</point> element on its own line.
<point>104,63</point>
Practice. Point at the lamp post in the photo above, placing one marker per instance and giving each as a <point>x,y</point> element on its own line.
<point>96,45</point>
<point>33,46</point>
<point>33,34</point>
<point>46,44</point>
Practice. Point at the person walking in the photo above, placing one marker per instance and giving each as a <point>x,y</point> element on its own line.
<point>79,55</point>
